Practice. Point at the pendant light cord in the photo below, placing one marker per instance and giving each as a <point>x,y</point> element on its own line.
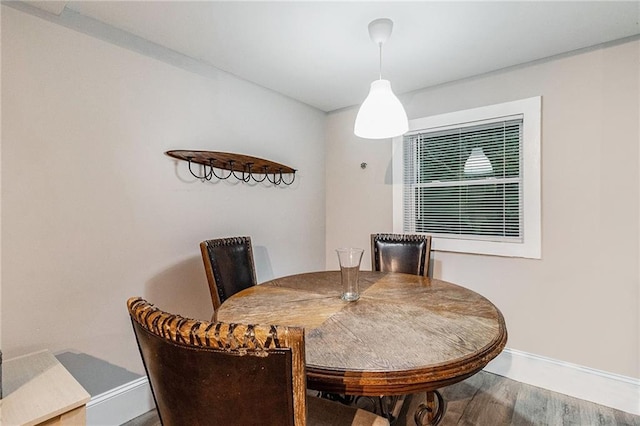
<point>380,45</point>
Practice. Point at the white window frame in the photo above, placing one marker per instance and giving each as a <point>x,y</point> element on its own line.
<point>531,110</point>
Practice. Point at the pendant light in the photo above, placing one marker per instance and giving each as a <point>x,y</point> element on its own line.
<point>381,115</point>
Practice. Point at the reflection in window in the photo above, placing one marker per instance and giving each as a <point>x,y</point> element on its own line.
<point>465,181</point>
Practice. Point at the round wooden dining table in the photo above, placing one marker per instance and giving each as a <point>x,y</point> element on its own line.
<point>405,334</point>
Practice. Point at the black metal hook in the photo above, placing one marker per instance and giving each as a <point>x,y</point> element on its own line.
<point>263,177</point>
<point>247,175</point>
<point>206,176</point>
<point>215,174</point>
<point>292,179</point>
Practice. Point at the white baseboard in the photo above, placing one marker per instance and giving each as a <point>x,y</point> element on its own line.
<point>121,404</point>
<point>601,387</point>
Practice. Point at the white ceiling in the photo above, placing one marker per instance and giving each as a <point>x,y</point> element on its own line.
<point>320,52</point>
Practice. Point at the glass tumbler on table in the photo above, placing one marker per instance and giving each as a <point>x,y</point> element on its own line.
<point>350,259</point>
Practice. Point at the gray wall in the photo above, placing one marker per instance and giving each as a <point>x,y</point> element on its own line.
<point>94,212</point>
<point>580,302</point>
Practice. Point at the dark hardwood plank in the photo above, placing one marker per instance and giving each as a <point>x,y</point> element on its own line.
<point>459,396</point>
<point>626,419</point>
<point>532,406</point>
<point>601,416</point>
<point>494,402</point>
<point>147,419</point>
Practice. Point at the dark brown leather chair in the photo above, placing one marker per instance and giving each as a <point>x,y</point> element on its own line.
<point>204,373</point>
<point>408,253</point>
<point>229,265</point>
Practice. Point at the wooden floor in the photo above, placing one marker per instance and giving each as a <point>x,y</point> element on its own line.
<point>490,400</point>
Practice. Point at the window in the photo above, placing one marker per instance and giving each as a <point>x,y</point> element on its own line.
<point>472,179</point>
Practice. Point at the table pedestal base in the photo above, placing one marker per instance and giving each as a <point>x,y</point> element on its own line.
<point>385,406</point>
<point>427,413</point>
<point>432,411</point>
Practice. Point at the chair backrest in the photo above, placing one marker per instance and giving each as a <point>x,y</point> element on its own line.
<point>204,373</point>
<point>229,265</point>
<point>408,253</point>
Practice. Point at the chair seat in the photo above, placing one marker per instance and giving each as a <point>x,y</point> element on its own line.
<point>322,412</point>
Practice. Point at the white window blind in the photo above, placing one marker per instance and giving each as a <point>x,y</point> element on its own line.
<point>465,181</point>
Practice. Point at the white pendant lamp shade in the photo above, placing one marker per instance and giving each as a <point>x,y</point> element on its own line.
<point>381,114</point>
